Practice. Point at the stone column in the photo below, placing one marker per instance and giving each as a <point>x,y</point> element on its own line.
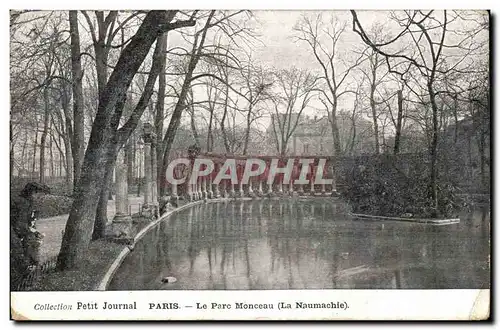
<point>121,225</point>
<point>199,193</point>
<point>232,192</point>
<point>260,191</point>
<point>210,193</point>
<point>240,189</point>
<point>217,193</point>
<point>204,193</point>
<point>154,174</point>
<point>250,189</point>
<point>147,174</point>
<point>335,193</point>
<point>174,195</point>
<point>223,187</point>
<point>312,181</point>
<point>148,208</point>
<point>189,189</point>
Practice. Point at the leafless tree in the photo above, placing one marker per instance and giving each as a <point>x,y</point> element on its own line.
<point>323,40</point>
<point>424,50</point>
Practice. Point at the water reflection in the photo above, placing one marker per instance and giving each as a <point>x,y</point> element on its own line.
<point>293,244</point>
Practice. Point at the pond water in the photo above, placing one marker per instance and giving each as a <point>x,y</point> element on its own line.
<point>304,244</point>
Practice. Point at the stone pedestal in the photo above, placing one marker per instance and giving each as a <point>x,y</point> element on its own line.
<point>121,227</point>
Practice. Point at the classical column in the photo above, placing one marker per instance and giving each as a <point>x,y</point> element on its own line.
<point>154,174</point>
<point>260,191</point>
<point>199,193</point>
<point>147,174</point>
<point>174,195</point>
<point>122,222</point>
<point>232,192</point>
<point>224,188</point>
<point>334,181</point>
<point>240,189</point>
<point>189,190</point>
<point>312,180</point>
<point>280,185</point>
<point>204,193</point>
<point>217,193</point>
<point>149,208</point>
<point>210,193</point>
<point>250,190</point>
<point>290,186</point>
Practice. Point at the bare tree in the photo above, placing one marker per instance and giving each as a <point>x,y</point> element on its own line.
<point>294,88</point>
<point>334,71</point>
<point>422,51</point>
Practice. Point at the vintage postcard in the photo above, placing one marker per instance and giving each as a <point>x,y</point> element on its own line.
<point>250,164</point>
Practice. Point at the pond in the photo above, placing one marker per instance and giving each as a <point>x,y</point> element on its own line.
<point>304,244</point>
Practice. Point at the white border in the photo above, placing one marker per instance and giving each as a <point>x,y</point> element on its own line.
<point>256,4</point>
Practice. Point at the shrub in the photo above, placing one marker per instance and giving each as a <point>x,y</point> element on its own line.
<point>385,186</point>
<point>52,205</point>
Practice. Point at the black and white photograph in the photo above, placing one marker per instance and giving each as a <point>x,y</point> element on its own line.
<point>255,164</point>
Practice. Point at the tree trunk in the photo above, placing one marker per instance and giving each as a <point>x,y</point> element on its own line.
<point>336,135</point>
<point>79,226</point>
<point>11,152</point>
<point>354,132</point>
<point>160,105</point>
<point>51,153</point>
<point>23,151</point>
<point>67,137</point>
<point>210,141</point>
<point>433,149</point>
<point>247,131</point>
<point>374,115</point>
<point>101,218</point>
<point>455,116</point>
<point>223,123</point>
<point>43,138</point>
<point>34,151</point>
<point>397,137</point>
<point>193,128</point>
<point>78,140</point>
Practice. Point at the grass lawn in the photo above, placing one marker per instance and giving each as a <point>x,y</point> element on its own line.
<point>101,254</point>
